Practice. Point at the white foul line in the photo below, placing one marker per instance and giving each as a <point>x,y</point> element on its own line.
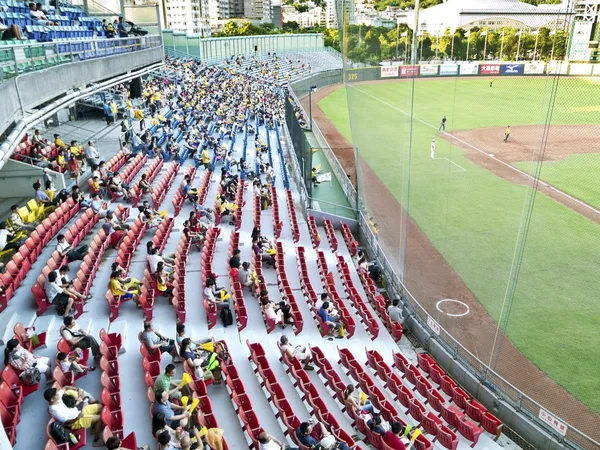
<point>484,153</point>
<point>449,160</point>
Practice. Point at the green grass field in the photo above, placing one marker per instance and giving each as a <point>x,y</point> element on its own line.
<point>474,217</point>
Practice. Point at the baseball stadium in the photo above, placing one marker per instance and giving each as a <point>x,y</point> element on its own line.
<point>340,225</point>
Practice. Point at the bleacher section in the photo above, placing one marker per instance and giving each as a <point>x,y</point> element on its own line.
<point>264,388</point>
<point>284,68</point>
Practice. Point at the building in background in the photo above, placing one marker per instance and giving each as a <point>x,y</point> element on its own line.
<point>493,15</point>
<point>260,10</point>
<point>189,16</point>
<point>315,16</point>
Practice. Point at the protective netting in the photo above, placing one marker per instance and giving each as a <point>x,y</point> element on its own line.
<point>480,179</point>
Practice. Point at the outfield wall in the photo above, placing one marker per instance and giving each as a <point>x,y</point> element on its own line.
<point>393,258</point>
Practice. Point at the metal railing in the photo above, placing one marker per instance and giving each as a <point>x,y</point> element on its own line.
<point>503,389</point>
<point>24,58</point>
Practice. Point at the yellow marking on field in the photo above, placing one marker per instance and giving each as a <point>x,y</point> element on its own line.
<point>589,108</point>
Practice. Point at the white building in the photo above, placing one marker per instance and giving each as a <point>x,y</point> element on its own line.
<point>260,10</point>
<point>314,16</point>
<point>492,15</point>
<point>190,16</point>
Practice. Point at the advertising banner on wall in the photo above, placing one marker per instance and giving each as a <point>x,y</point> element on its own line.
<point>534,67</point>
<point>557,67</point>
<point>469,69</point>
<point>449,69</point>
<point>389,71</point>
<point>409,71</point>
<point>489,69</point>
<point>580,69</point>
<point>512,69</point>
<point>428,70</point>
<point>580,40</point>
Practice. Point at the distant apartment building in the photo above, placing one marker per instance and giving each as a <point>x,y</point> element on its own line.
<point>189,16</point>
<point>260,10</point>
<point>315,16</point>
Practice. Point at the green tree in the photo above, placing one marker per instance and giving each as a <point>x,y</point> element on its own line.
<point>373,46</point>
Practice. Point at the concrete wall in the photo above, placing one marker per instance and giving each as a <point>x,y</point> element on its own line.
<point>29,90</point>
<point>17,178</point>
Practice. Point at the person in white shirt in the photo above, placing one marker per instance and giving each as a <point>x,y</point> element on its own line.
<point>268,442</point>
<point>395,312</point>
<point>56,294</point>
<point>65,249</point>
<point>209,294</point>
<point>91,154</point>
<point>154,258</point>
<point>300,352</point>
<point>63,407</point>
<point>5,235</point>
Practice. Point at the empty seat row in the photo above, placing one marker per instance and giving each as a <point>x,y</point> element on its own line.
<point>277,223</point>
<point>164,184</point>
<point>351,243</point>
<point>367,319</point>
<point>331,237</point>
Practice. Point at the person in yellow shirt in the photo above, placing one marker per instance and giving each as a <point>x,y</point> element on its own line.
<point>205,158</point>
<point>154,120</point>
<point>118,290</point>
<point>60,159</point>
<point>129,104</point>
<point>162,118</point>
<point>59,142</point>
<point>114,108</point>
<point>507,134</point>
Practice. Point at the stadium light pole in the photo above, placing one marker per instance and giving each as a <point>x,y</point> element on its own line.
<point>502,45</point>
<point>519,44</point>
<point>397,36</point>
<point>415,31</point>
<point>310,91</point>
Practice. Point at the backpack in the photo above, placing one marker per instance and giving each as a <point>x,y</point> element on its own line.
<point>31,376</point>
<point>226,317</point>
<point>59,433</point>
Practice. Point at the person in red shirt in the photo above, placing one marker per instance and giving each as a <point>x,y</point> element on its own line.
<point>393,438</point>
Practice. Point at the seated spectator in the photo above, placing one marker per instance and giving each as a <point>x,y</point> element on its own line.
<point>91,154</point>
<point>22,359</point>
<point>211,292</point>
<point>67,285</point>
<point>272,313</point>
<point>114,443</point>
<point>65,249</point>
<point>78,197</point>
<point>115,233</point>
<point>57,296</point>
<point>127,282</point>
<point>120,292</point>
<point>318,437</point>
<point>8,239</point>
<point>354,400</point>
<point>265,257</point>
<point>71,364</point>
<point>164,284</point>
<point>36,12</point>
<point>204,366</point>
<point>17,223</point>
<point>234,261</point>
<point>144,186</point>
<point>169,259</point>
<point>195,238</point>
<point>360,260</point>
<point>393,437</point>
<point>245,277</point>
<point>268,442</point>
<point>395,312</point>
<point>164,406</point>
<point>76,409</point>
<point>225,208</point>
<point>165,382</point>
<point>331,320</point>
<point>155,341</point>
<point>42,197</point>
<point>77,338</point>
<point>299,352</point>
<point>154,259</point>
<point>12,32</point>
<point>375,424</point>
<point>179,438</point>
